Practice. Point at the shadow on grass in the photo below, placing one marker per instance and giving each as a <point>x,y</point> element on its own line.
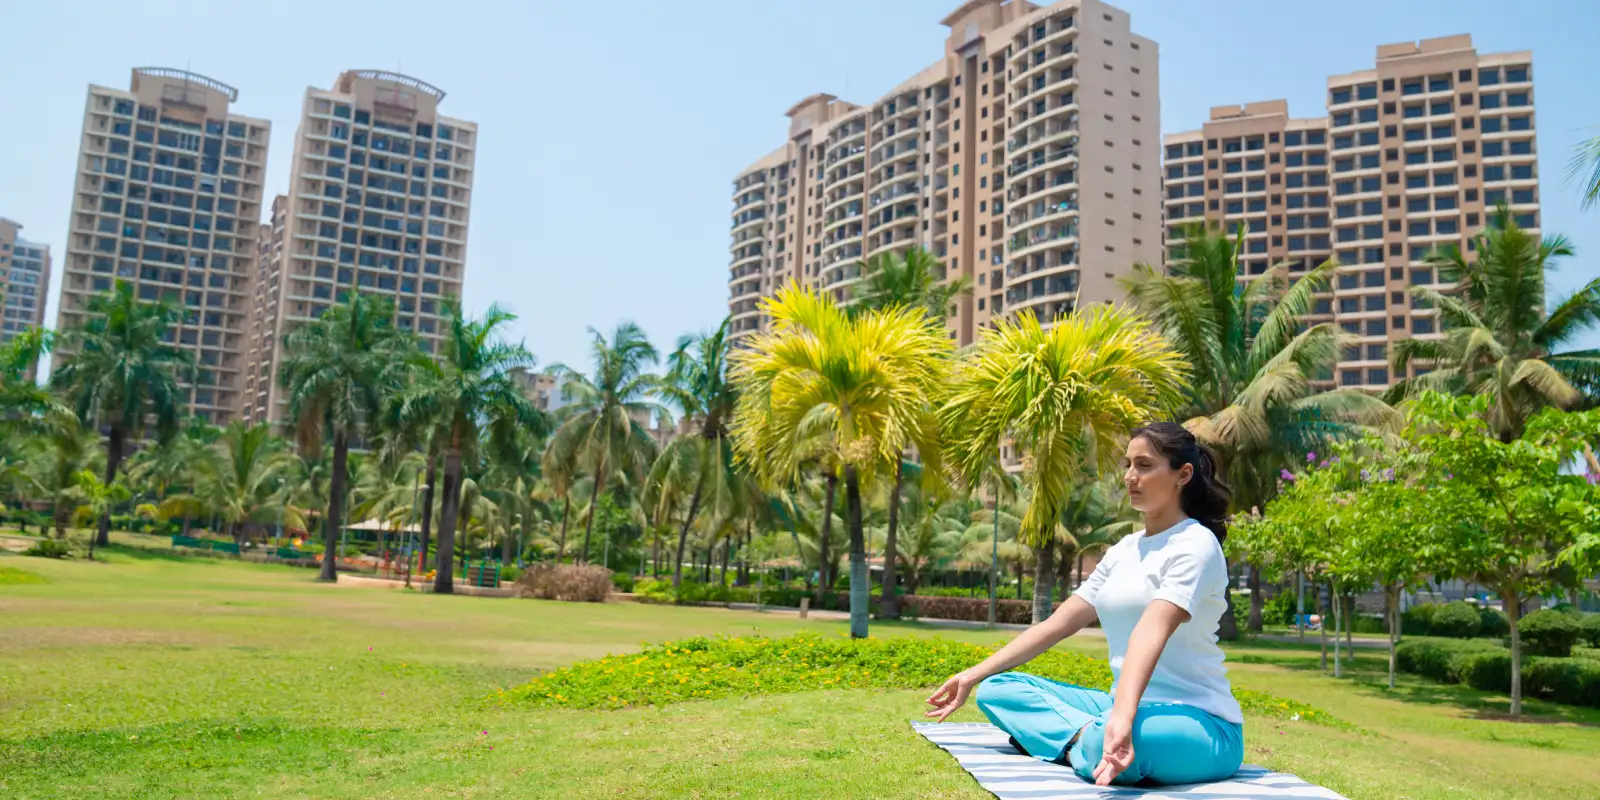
<point>1368,671</point>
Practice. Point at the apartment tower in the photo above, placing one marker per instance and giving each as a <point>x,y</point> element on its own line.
<point>168,200</point>
<point>24,281</point>
<point>261,340</point>
<point>1414,155</point>
<point>379,196</point>
<point>1026,159</point>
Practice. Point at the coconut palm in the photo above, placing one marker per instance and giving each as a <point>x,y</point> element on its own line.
<point>697,382</point>
<point>94,499</point>
<point>1096,516</point>
<point>387,491</point>
<point>25,406</point>
<point>856,387</point>
<point>121,372</point>
<point>464,395</point>
<point>1585,167</point>
<point>246,480</point>
<point>604,431</point>
<point>913,279</point>
<point>1065,397</point>
<point>1251,396</point>
<point>933,534</point>
<point>1498,339</point>
<point>339,370</point>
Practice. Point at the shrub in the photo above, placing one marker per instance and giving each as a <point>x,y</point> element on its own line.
<point>1279,609</point>
<point>49,548</point>
<point>1564,680</point>
<point>1442,660</point>
<point>1458,620</point>
<point>585,584</point>
<point>703,669</point>
<point>1418,620</point>
<point>509,573</point>
<point>1487,670</point>
<point>1495,624</point>
<point>974,609</point>
<point>1589,628</point>
<point>622,581</point>
<point>1549,633</point>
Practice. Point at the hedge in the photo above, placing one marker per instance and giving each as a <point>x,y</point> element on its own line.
<point>1590,625</point>
<point>974,609</point>
<point>1549,633</point>
<point>1487,666</point>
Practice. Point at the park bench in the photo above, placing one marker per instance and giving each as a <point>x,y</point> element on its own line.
<point>486,575</point>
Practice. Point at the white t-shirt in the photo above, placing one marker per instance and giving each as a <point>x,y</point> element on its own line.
<point>1183,565</point>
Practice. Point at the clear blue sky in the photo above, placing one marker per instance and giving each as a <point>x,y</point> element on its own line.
<point>610,131</point>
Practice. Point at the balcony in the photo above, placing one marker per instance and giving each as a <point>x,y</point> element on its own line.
<point>748,217</point>
<point>1041,237</point>
<point>1043,133</point>
<point>902,189</point>
<point>1022,166</point>
<point>1040,288</point>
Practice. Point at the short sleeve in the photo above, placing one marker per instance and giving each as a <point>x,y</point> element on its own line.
<point>1090,588</point>
<point>1194,572</point>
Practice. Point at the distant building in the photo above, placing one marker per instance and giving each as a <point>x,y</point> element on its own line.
<point>24,281</point>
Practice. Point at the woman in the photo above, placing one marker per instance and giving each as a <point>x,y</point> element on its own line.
<point>1171,717</point>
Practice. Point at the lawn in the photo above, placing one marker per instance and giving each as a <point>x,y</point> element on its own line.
<point>153,676</point>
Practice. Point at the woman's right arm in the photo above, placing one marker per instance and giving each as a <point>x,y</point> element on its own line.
<point>1071,617</point>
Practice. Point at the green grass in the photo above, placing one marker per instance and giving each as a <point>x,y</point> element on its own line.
<point>156,677</point>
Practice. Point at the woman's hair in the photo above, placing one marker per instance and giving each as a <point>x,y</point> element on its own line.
<point>1205,496</point>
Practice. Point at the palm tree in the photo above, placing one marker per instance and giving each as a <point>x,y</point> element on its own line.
<point>604,432</point>
<point>1498,340</point>
<point>121,372</point>
<point>249,482</point>
<point>857,387</point>
<point>1065,397</point>
<point>95,498</point>
<point>932,535</point>
<point>25,406</point>
<point>467,393</point>
<point>339,370</point>
<point>1096,516</point>
<point>697,382</point>
<point>1251,396</point>
<point>913,279</point>
<point>1585,167</point>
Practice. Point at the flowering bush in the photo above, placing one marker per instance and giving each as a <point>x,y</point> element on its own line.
<point>704,669</point>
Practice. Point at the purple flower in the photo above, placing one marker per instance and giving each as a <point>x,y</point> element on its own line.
<point>1311,456</point>
<point>1365,475</point>
<point>1388,474</point>
<point>1335,459</point>
<point>1286,475</point>
<point>1324,465</point>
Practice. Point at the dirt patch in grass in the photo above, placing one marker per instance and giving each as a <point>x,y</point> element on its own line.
<point>14,639</point>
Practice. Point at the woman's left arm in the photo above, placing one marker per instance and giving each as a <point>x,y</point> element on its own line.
<point>1149,638</point>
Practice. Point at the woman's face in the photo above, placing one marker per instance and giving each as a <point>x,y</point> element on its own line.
<point>1152,483</point>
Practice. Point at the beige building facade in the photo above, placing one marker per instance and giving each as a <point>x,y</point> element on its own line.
<point>379,198</point>
<point>167,198</point>
<point>24,281</point>
<point>1026,159</point>
<point>1414,155</point>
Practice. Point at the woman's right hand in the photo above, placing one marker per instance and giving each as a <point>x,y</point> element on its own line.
<point>953,694</point>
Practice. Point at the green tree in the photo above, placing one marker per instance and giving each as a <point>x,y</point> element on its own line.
<point>856,387</point>
<point>466,393</point>
<point>26,408</point>
<point>1065,397</point>
<point>914,279</point>
<point>1504,513</point>
<point>339,370</point>
<point>96,498</point>
<point>702,463</point>
<point>604,431</point>
<point>122,372</point>
<point>1499,342</point>
<point>246,482</point>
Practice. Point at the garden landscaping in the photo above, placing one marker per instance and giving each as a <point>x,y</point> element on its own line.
<point>159,676</point>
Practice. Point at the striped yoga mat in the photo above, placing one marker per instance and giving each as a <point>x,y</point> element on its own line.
<point>982,750</point>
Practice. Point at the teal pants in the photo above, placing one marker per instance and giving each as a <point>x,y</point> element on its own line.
<point>1172,743</point>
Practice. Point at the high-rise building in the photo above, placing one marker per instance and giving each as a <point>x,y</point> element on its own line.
<point>168,199</point>
<point>24,281</point>
<point>379,195</point>
<point>1026,159</point>
<point>261,340</point>
<point>1413,155</point>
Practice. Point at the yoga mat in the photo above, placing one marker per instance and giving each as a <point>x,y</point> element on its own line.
<point>982,750</point>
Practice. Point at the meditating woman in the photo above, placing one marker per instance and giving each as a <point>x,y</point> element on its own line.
<point>1171,717</point>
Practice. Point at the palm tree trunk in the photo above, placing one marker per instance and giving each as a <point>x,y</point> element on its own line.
<point>723,576</point>
<point>860,582</point>
<point>1228,626</point>
<point>561,546</point>
<point>1064,568</point>
<point>889,606</point>
<point>655,554</point>
<point>427,510</point>
<point>683,536</point>
<point>330,526</point>
<point>1019,579</point>
<point>449,508</point>
<point>1257,599</point>
<point>1044,573</point>
<point>824,580</point>
<point>114,444</point>
<point>1079,582</point>
<point>594,506</point>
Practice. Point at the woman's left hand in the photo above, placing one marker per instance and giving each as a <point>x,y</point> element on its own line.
<point>1117,754</point>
